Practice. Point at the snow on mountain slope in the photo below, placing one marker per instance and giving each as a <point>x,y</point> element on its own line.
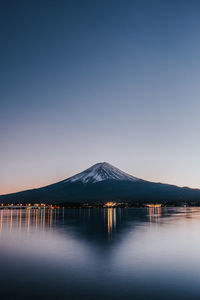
<point>100,172</point>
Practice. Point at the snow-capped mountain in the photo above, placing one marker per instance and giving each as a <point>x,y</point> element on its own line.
<point>100,172</point>
<point>101,183</point>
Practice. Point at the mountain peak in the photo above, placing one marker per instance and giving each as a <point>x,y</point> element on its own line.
<point>100,172</point>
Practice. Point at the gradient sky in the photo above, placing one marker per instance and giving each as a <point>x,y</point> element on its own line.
<point>90,81</point>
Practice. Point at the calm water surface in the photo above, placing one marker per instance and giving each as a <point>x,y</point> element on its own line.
<point>100,253</point>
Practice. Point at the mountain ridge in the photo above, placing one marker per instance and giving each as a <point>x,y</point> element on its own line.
<point>103,182</point>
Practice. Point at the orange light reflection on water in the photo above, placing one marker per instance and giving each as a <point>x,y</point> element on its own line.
<point>154,214</point>
<point>111,221</point>
<point>28,219</point>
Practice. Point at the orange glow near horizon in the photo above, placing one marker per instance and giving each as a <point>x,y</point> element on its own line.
<point>109,204</point>
<point>28,184</point>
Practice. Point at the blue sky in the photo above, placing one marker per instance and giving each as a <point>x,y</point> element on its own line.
<point>90,81</point>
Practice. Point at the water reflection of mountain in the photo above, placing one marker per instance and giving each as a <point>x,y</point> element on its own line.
<point>109,253</point>
<point>106,253</point>
<point>100,226</point>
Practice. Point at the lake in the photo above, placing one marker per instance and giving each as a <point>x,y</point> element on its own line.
<point>114,253</point>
